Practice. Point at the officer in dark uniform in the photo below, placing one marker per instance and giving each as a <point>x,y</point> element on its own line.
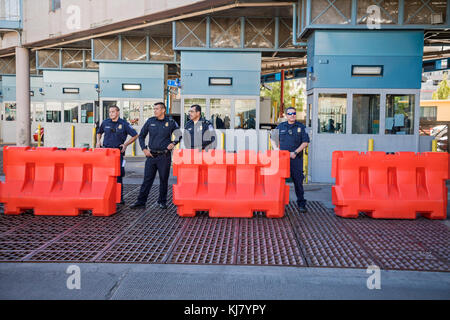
<point>158,151</point>
<point>293,137</point>
<point>199,132</point>
<point>116,131</point>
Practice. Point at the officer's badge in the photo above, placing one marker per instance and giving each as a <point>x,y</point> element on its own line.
<point>167,124</point>
<point>299,130</point>
<point>120,127</point>
<point>201,128</point>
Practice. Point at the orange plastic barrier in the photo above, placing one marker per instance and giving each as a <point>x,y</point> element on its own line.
<point>385,186</point>
<point>231,184</point>
<point>60,182</point>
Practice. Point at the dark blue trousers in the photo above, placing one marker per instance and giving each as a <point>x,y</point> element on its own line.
<point>122,174</point>
<point>297,176</point>
<point>152,165</point>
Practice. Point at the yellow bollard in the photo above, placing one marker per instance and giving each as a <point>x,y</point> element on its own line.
<point>370,145</point>
<point>305,163</point>
<point>223,141</point>
<point>72,132</point>
<point>133,149</point>
<point>434,146</point>
<point>173,139</point>
<point>94,137</point>
<point>39,135</point>
<point>276,111</point>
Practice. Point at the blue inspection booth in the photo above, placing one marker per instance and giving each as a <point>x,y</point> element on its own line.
<point>227,87</point>
<point>362,85</point>
<point>9,106</point>
<point>134,88</point>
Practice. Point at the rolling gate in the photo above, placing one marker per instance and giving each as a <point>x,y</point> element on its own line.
<point>315,239</point>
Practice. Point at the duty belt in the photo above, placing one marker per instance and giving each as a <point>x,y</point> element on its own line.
<point>158,153</point>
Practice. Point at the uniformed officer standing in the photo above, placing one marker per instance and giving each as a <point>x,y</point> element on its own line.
<point>201,134</point>
<point>293,137</point>
<point>116,131</point>
<point>158,152</point>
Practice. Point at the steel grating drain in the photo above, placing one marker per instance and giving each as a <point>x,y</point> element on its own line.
<point>268,242</point>
<point>62,256</point>
<point>317,238</point>
<point>206,241</point>
<point>13,256</point>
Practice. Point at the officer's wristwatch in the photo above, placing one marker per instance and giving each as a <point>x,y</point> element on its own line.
<point>296,153</point>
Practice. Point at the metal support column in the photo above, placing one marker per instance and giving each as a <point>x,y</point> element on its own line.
<point>23,131</point>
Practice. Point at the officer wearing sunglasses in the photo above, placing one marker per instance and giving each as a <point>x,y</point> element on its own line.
<point>293,137</point>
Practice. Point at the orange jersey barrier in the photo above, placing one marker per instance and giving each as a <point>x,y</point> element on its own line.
<point>231,184</point>
<point>60,182</point>
<point>390,186</point>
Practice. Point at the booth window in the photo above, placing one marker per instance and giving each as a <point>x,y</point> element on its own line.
<point>221,113</point>
<point>399,114</point>
<point>366,114</point>
<point>131,112</point>
<point>245,114</point>
<point>54,112</point>
<point>87,113</point>
<point>428,113</point>
<point>332,116</point>
<point>147,111</point>
<point>106,105</point>
<point>55,4</point>
<point>71,112</point>
<point>39,112</point>
<point>10,111</point>
<point>189,102</point>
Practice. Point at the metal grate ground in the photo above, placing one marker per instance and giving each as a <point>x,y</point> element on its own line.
<point>314,239</point>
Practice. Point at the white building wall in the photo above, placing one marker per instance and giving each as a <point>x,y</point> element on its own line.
<point>40,23</point>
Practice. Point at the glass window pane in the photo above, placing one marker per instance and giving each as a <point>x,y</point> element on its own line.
<point>148,109</point>
<point>53,111</point>
<point>322,12</point>
<point>161,49</point>
<point>39,112</point>
<point>10,111</point>
<point>87,113</point>
<point>106,48</point>
<point>428,113</point>
<point>72,59</point>
<point>399,114</point>
<point>134,48</point>
<point>71,112</point>
<point>56,4</point>
<point>388,11</point>
<point>131,111</point>
<point>225,32</point>
<point>421,11</point>
<point>332,113</point>
<point>366,114</point>
<point>259,33</point>
<point>221,113</point>
<point>48,58</point>
<point>189,102</point>
<point>191,32</point>
<point>309,115</point>
<point>245,114</point>
<point>106,105</point>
